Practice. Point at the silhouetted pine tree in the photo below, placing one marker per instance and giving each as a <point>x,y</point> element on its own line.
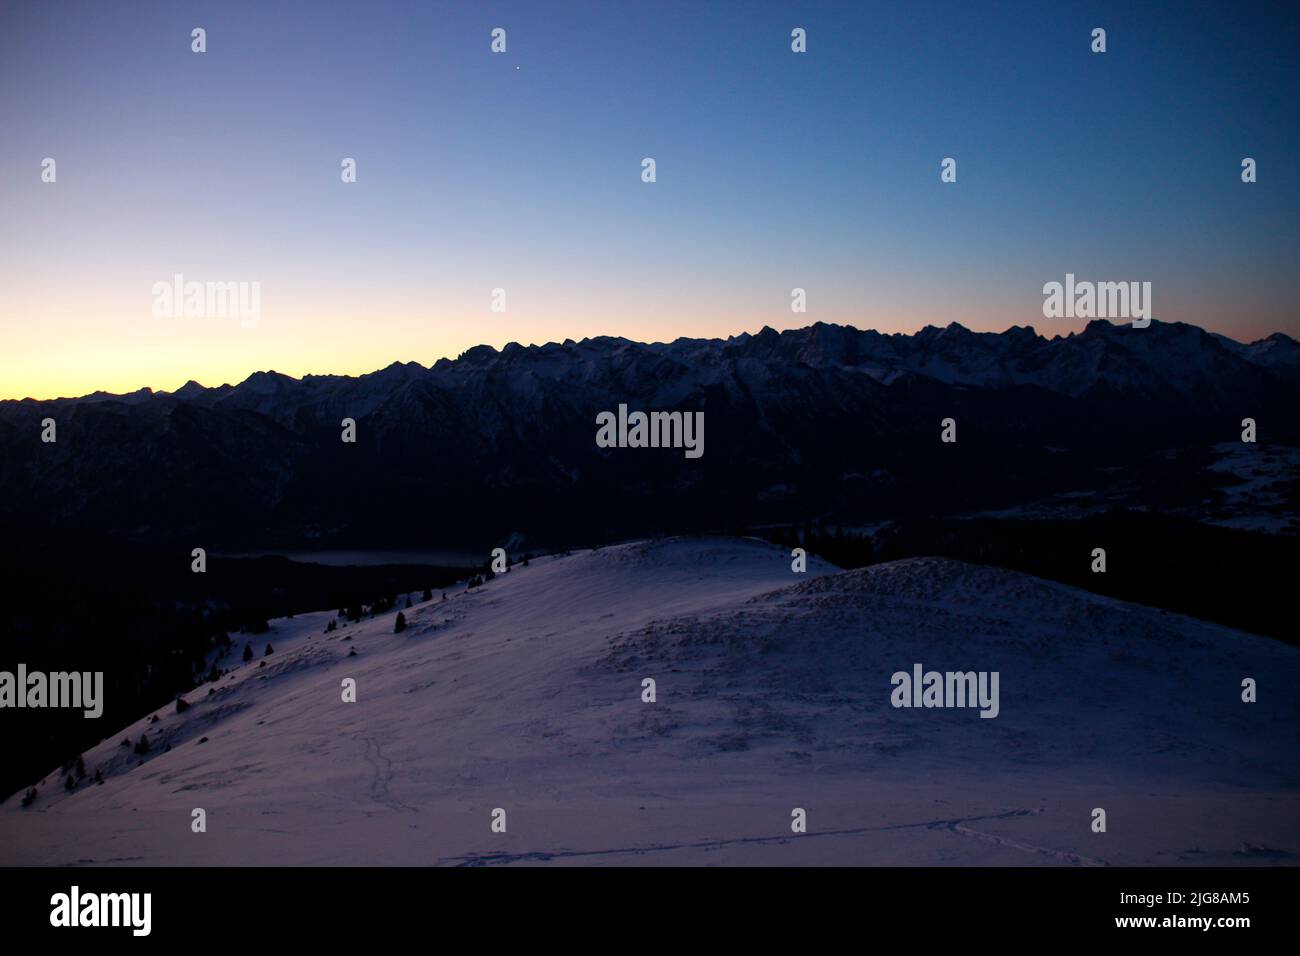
<point>400,625</point>
<point>248,652</point>
<point>269,651</point>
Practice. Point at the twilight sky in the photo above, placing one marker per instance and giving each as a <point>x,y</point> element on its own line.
<point>523,171</point>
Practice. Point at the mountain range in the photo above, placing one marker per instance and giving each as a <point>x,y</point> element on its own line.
<point>822,421</point>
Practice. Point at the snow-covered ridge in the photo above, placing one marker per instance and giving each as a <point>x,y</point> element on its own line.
<point>772,692</point>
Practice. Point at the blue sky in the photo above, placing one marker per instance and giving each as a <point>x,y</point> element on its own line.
<point>522,171</point>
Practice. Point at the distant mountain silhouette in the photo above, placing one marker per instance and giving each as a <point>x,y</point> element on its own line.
<point>814,422</point>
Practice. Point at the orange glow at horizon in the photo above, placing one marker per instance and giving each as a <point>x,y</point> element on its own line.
<point>57,357</point>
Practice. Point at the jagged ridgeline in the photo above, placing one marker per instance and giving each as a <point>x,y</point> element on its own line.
<point>826,420</point>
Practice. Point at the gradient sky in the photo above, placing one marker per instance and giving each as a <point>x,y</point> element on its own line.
<point>522,171</point>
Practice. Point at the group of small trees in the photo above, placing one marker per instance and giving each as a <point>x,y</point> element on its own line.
<point>846,549</point>
<point>70,782</point>
<point>222,643</point>
<point>73,771</point>
<point>381,605</point>
<point>76,765</point>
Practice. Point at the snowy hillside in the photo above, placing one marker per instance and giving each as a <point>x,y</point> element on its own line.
<point>773,693</point>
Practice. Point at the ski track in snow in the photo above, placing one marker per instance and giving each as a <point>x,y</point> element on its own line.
<point>1074,859</point>
<point>383,776</point>
<point>955,826</point>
